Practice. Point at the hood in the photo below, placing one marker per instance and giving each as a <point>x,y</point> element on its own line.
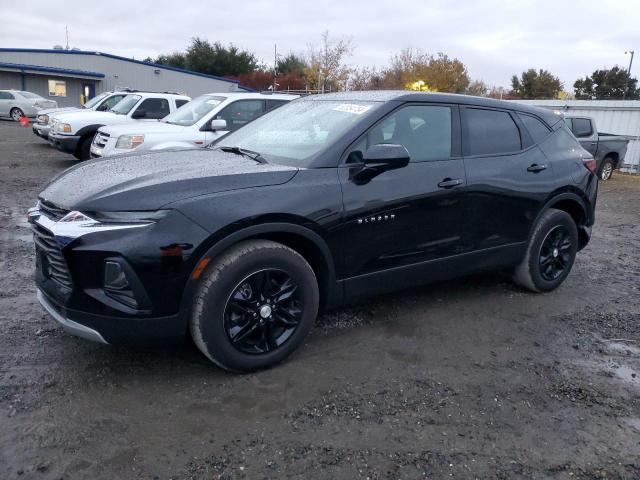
<point>51,111</point>
<point>137,128</point>
<point>149,181</point>
<point>89,117</point>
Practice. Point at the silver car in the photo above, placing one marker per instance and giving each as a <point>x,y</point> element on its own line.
<point>17,104</point>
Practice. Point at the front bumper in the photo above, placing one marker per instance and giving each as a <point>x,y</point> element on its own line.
<point>41,130</point>
<point>64,143</point>
<point>74,328</point>
<point>156,258</point>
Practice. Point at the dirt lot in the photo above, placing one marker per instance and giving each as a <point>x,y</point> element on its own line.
<point>469,379</point>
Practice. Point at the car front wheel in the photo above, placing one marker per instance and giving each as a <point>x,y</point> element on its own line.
<point>254,306</point>
<point>16,114</point>
<point>550,254</point>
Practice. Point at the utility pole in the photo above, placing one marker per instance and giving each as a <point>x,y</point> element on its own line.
<point>275,67</point>
<point>66,29</point>
<point>626,87</point>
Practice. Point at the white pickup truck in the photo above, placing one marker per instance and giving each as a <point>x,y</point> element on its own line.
<point>73,132</point>
<point>196,124</point>
<point>99,103</point>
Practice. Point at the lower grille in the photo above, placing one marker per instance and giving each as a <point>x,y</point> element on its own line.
<point>101,139</point>
<point>49,256</point>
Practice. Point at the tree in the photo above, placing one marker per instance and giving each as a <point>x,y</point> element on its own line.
<point>534,84</point>
<point>478,88</point>
<point>410,69</point>
<point>365,78</point>
<point>212,59</point>
<point>292,63</point>
<point>607,84</point>
<point>326,64</point>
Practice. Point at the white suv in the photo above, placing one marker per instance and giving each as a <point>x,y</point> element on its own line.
<point>99,103</point>
<point>73,132</point>
<point>194,125</point>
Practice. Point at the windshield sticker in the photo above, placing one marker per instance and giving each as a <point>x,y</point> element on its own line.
<point>352,108</point>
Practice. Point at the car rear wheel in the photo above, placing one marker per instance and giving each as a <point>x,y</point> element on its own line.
<point>551,252</point>
<point>606,170</point>
<point>254,306</point>
<point>83,151</point>
<point>16,114</point>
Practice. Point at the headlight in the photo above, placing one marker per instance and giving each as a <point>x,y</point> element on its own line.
<point>63,127</point>
<point>43,119</point>
<point>76,216</point>
<point>128,142</point>
<point>129,216</point>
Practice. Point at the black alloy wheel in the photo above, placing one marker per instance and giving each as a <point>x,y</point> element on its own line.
<point>555,253</point>
<point>263,312</point>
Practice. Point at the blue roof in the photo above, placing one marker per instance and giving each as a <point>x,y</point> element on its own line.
<point>117,57</point>
<point>40,68</point>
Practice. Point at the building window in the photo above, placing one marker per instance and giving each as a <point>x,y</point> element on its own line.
<point>57,88</point>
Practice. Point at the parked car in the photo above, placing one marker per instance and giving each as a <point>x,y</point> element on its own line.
<point>100,103</point>
<point>324,200</point>
<point>73,132</point>
<point>608,149</point>
<point>196,124</point>
<point>17,104</point>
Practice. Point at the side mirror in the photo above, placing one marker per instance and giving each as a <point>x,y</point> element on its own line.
<point>218,124</point>
<point>380,158</point>
<point>139,114</point>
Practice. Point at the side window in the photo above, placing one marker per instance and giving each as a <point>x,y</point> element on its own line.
<point>272,104</point>
<point>535,127</point>
<point>155,107</point>
<point>180,102</point>
<point>6,96</point>
<point>491,132</point>
<point>110,102</point>
<point>241,112</point>
<point>582,127</point>
<point>424,130</point>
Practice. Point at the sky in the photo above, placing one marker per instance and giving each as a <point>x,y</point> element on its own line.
<point>495,39</point>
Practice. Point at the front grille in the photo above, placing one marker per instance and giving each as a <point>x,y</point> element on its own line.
<point>101,139</point>
<point>50,257</point>
<point>51,211</point>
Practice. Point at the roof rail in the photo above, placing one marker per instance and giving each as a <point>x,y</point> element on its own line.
<point>134,90</point>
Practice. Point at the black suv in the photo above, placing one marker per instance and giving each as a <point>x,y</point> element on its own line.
<point>324,200</point>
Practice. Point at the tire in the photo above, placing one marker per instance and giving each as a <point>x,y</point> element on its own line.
<point>554,243</point>
<point>16,114</point>
<point>83,151</point>
<point>230,322</point>
<point>606,169</point>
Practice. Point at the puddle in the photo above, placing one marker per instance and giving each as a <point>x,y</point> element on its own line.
<point>621,348</point>
<point>634,422</point>
<point>627,374</point>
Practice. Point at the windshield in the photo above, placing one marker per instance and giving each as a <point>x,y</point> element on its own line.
<point>191,112</point>
<point>91,103</point>
<point>29,95</point>
<point>125,105</point>
<point>294,133</point>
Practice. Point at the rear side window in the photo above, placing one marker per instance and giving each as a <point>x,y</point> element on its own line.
<point>155,107</point>
<point>582,127</point>
<point>535,127</point>
<point>491,132</point>
<point>6,96</point>
<point>179,102</point>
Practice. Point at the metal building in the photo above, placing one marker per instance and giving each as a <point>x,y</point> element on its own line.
<point>620,117</point>
<point>73,76</point>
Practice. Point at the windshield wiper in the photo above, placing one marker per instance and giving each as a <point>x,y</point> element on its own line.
<point>245,152</point>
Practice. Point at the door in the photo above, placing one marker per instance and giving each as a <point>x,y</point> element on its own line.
<point>508,178</point>
<point>88,91</point>
<point>409,216</point>
<point>5,103</point>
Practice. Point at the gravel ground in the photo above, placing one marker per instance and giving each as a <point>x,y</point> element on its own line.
<point>472,378</point>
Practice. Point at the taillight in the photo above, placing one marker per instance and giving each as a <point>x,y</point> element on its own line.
<point>590,164</point>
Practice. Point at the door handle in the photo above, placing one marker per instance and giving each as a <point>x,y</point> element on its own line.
<point>535,168</point>
<point>594,143</point>
<point>450,182</point>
